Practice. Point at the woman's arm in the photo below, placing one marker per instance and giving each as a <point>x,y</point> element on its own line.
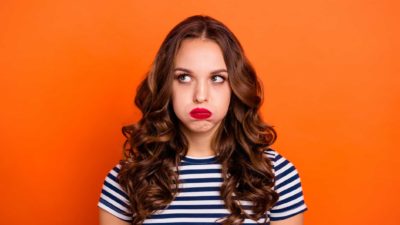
<point>294,220</point>
<point>107,218</point>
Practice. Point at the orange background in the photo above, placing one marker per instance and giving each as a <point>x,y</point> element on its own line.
<point>69,71</point>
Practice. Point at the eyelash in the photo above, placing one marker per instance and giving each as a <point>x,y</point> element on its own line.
<point>222,77</point>
<point>178,76</point>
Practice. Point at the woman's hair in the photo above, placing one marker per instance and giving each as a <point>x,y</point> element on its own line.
<point>155,144</point>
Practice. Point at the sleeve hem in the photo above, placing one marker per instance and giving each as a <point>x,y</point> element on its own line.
<point>288,216</point>
<point>119,216</point>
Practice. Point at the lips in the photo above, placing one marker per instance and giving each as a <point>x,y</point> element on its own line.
<point>200,113</point>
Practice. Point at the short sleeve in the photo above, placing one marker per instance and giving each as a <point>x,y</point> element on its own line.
<point>288,186</point>
<point>113,198</point>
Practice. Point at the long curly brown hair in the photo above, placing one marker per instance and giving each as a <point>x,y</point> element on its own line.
<point>155,145</point>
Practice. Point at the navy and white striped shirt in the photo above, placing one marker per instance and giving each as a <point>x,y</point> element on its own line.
<point>199,202</point>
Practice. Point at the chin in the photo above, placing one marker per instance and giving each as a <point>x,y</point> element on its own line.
<point>201,127</point>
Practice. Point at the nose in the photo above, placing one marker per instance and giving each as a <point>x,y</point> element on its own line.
<point>201,92</point>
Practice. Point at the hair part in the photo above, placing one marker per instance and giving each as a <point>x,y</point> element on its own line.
<point>155,145</point>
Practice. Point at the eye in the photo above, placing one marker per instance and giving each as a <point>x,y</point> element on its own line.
<point>183,78</point>
<point>218,79</point>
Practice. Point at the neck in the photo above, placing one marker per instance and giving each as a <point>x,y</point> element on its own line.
<point>199,143</point>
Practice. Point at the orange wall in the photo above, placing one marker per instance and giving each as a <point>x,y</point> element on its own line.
<point>69,72</point>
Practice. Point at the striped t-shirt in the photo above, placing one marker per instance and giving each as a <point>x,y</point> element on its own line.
<point>199,202</point>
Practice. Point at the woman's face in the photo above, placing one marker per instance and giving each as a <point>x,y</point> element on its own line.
<point>200,89</point>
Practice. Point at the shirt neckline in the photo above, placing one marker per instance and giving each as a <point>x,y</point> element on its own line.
<point>200,159</point>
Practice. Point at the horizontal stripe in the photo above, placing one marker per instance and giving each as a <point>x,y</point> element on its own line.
<point>199,171</point>
<point>156,222</point>
<point>199,184</point>
<point>199,175</point>
<point>166,214</point>
<point>199,167</point>
<point>201,180</point>
<point>191,198</point>
<point>199,189</point>
<point>199,193</point>
<point>198,202</point>
<point>190,220</point>
<point>195,206</point>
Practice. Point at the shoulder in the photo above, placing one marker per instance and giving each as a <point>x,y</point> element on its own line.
<point>111,179</point>
<point>271,154</point>
<point>113,173</point>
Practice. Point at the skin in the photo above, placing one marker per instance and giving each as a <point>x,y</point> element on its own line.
<point>294,220</point>
<point>106,218</point>
<point>200,80</point>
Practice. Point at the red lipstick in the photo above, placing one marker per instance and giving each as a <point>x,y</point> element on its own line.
<point>200,113</point>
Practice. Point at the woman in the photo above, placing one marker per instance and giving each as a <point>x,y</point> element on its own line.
<point>200,153</point>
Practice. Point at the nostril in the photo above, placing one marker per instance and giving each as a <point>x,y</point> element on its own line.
<point>200,99</point>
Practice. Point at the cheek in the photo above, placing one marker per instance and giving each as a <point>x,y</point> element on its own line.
<point>174,96</point>
<point>175,103</point>
<point>179,103</point>
<point>222,99</point>
<point>224,96</point>
<point>228,97</point>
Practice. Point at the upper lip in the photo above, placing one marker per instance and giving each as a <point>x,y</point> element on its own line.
<point>200,110</point>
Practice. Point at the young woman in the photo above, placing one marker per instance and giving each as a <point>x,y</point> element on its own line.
<point>200,153</point>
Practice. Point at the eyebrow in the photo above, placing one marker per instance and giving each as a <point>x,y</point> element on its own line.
<point>188,71</point>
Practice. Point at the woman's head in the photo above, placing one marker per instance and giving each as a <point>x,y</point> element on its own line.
<point>156,93</point>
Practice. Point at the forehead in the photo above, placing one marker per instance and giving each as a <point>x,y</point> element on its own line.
<point>200,54</point>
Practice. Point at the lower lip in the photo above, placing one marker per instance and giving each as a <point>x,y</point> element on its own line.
<point>200,115</point>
